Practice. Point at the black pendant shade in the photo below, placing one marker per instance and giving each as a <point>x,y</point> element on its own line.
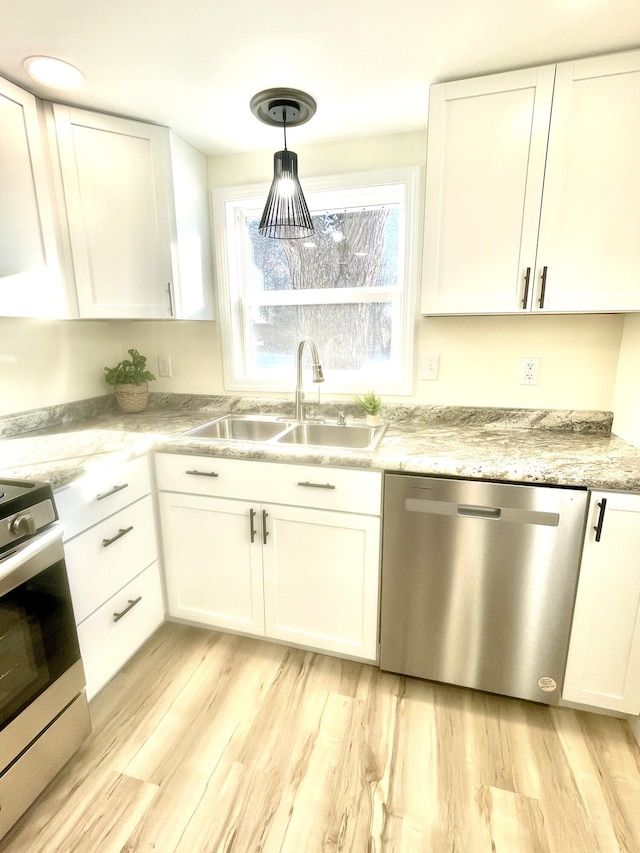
<point>286,215</point>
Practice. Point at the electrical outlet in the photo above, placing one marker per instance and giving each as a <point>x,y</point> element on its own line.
<point>164,365</point>
<point>529,370</point>
<point>429,366</point>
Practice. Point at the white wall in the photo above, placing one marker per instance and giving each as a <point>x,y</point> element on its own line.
<point>480,360</point>
<point>626,398</point>
<point>45,362</point>
<point>329,158</point>
<point>48,362</point>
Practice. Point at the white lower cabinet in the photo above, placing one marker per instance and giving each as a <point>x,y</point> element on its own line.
<point>112,562</point>
<point>304,574</point>
<point>321,579</point>
<point>213,570</point>
<point>603,666</point>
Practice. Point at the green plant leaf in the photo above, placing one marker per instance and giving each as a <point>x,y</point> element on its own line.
<point>129,371</point>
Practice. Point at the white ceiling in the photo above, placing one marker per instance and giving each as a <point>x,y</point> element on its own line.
<point>194,64</point>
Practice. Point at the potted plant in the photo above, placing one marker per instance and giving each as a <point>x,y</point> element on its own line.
<point>130,380</point>
<point>371,404</point>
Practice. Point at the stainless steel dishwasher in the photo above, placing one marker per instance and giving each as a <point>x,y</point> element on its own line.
<point>479,582</point>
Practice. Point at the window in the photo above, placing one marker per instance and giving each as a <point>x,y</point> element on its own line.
<point>350,287</point>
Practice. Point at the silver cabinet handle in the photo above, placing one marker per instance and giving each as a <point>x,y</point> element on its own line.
<point>202,473</point>
<point>112,491</point>
<point>132,603</point>
<point>122,532</point>
<point>309,485</point>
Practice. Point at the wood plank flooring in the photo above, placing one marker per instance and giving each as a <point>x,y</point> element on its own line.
<point>212,742</point>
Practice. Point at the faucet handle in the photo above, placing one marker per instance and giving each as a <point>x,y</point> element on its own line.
<point>341,419</point>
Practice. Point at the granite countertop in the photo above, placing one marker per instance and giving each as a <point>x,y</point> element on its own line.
<point>531,446</point>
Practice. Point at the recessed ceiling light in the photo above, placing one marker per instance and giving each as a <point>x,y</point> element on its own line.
<point>53,72</point>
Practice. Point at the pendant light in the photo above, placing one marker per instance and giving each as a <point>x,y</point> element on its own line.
<point>285,215</point>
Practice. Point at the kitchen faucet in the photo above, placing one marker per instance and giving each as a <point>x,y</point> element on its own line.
<point>317,374</point>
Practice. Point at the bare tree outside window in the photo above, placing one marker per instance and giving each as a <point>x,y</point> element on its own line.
<point>348,249</point>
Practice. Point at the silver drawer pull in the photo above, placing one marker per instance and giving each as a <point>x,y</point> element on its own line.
<point>112,491</point>
<point>132,603</point>
<point>309,485</point>
<point>122,532</point>
<point>202,473</point>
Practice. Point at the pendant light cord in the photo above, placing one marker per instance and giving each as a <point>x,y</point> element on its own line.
<point>284,126</point>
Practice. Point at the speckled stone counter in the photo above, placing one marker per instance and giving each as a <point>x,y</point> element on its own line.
<point>572,448</point>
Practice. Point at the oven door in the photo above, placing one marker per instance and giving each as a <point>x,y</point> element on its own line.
<point>40,668</point>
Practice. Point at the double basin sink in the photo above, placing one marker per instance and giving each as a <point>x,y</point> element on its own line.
<point>262,428</point>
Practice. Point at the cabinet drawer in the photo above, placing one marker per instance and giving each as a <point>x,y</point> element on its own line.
<point>106,644</point>
<point>107,556</point>
<point>101,493</point>
<point>318,486</point>
<point>205,475</point>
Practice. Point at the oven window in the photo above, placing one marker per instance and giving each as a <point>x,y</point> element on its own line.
<point>38,640</point>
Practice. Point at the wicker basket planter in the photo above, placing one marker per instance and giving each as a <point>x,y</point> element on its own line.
<point>132,398</point>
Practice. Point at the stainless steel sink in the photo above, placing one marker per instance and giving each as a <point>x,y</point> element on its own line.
<point>241,428</point>
<point>351,436</point>
<point>263,428</point>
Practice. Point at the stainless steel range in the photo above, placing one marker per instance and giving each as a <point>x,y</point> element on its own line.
<point>44,715</point>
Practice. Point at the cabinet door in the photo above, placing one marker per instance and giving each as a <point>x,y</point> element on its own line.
<point>213,569</point>
<point>321,575</point>
<point>487,142</point>
<point>193,270</point>
<point>30,283</point>
<point>115,178</point>
<point>590,223</point>
<point>603,667</point>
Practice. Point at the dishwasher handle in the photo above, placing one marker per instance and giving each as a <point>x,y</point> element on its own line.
<point>504,514</point>
<point>472,511</point>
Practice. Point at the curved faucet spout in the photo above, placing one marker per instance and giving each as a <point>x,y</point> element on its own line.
<point>317,374</point>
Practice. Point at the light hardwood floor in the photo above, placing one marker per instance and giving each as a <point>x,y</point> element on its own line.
<point>212,742</point>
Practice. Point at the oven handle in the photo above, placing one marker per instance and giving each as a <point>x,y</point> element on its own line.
<point>31,558</point>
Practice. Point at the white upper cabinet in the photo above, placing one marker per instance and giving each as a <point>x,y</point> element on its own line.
<point>486,150</point>
<point>30,281</point>
<point>590,223</point>
<point>115,189</point>
<point>533,190</point>
<point>191,232</point>
<point>139,233</point>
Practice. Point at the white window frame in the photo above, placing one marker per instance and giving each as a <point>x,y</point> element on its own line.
<point>229,206</point>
